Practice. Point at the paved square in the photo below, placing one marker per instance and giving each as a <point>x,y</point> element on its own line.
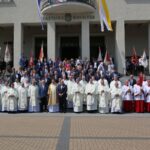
<point>74,132</point>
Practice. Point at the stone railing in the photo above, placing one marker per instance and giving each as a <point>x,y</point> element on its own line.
<point>46,3</point>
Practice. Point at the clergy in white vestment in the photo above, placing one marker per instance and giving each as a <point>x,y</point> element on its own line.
<point>17,84</point>
<point>4,98</point>
<point>78,92</point>
<point>104,95</point>
<point>1,86</point>
<point>70,85</point>
<point>90,91</point>
<point>52,97</point>
<point>145,82</point>
<point>147,95</point>
<point>83,83</point>
<point>105,81</point>
<point>65,79</point>
<point>12,102</point>
<point>127,96</point>
<point>116,105</point>
<point>138,97</point>
<point>33,94</point>
<point>113,82</point>
<point>23,98</point>
<point>96,84</point>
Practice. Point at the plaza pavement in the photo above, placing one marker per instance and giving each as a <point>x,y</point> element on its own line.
<point>45,131</point>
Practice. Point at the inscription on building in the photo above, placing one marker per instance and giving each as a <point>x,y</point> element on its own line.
<point>68,17</point>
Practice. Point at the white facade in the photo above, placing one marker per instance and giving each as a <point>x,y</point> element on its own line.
<point>20,25</point>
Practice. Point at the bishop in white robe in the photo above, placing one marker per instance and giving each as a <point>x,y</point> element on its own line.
<point>116,105</point>
<point>83,83</point>
<point>4,93</point>
<point>23,98</point>
<point>78,92</point>
<point>104,95</point>
<point>90,91</point>
<point>33,94</point>
<point>12,102</point>
<point>70,85</point>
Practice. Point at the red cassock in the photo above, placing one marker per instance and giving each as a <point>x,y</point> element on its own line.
<point>148,106</point>
<point>138,99</point>
<point>128,106</point>
<point>139,106</point>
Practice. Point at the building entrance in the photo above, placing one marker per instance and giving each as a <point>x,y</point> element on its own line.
<point>69,47</point>
<point>38,43</point>
<point>95,43</point>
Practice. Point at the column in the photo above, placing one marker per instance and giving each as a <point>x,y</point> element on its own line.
<point>120,46</point>
<point>149,44</point>
<point>18,43</point>
<point>51,40</point>
<point>85,39</point>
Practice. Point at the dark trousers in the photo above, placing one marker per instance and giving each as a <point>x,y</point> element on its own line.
<point>62,104</point>
<point>43,104</point>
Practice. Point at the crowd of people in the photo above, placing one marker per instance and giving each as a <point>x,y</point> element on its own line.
<point>75,84</point>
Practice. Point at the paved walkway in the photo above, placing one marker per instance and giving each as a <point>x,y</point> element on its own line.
<point>74,131</point>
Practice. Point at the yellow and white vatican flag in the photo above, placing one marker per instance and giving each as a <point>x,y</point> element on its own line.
<point>104,15</point>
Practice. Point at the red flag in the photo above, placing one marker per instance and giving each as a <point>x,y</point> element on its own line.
<point>41,56</point>
<point>134,58</point>
<point>107,58</point>
<point>31,61</point>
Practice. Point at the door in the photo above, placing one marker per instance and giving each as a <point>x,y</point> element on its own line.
<point>38,43</point>
<point>69,47</point>
<point>95,43</point>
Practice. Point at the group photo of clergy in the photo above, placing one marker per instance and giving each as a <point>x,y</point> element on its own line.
<point>71,85</point>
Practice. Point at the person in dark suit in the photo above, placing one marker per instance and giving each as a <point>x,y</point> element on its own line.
<point>43,88</point>
<point>132,81</point>
<point>62,94</point>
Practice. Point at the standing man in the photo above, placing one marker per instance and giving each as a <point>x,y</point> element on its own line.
<point>23,98</point>
<point>132,81</point>
<point>52,97</point>
<point>12,97</point>
<point>104,94</point>
<point>147,94</point>
<point>70,85</point>
<point>78,92</point>
<point>138,97</point>
<point>127,96</point>
<point>43,96</point>
<point>62,94</point>
<point>33,94</point>
<point>116,106</point>
<point>4,97</point>
<point>90,91</point>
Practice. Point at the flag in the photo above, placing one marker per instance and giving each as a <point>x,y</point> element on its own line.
<point>7,57</point>
<point>41,56</point>
<point>99,55</point>
<point>104,15</point>
<point>144,60</point>
<point>107,58</point>
<point>39,13</point>
<point>31,61</point>
<point>134,58</point>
